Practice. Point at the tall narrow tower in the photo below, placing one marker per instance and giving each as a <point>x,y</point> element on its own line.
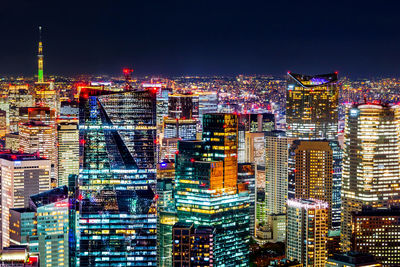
<point>40,57</point>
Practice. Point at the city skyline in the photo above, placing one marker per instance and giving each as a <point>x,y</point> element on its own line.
<point>224,169</point>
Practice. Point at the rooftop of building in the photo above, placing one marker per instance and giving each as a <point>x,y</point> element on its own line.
<point>33,123</point>
<point>376,104</point>
<point>22,210</point>
<point>307,203</point>
<point>353,257</point>
<point>385,211</point>
<point>7,155</point>
<point>49,196</point>
<point>309,81</point>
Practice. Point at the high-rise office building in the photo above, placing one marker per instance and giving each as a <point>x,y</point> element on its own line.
<point>38,114</point>
<point>168,148</point>
<point>117,179</point>
<point>220,133</point>
<point>307,231</point>
<point>18,96</point>
<point>312,106</point>
<point>186,129</point>
<point>376,232</point>
<point>247,175</point>
<point>370,161</point>
<point>166,212</point>
<point>276,169</point>
<point>352,259</point>
<point>255,148</point>
<point>22,175</point>
<point>314,170</point>
<point>67,151</point>
<point>261,122</point>
<point>337,164</point>
<point>43,226</point>
<point>3,123</point>
<point>277,223</point>
<point>193,246</point>
<point>12,142</point>
<point>182,106</point>
<point>162,104</point>
<point>38,137</point>
<point>208,192</point>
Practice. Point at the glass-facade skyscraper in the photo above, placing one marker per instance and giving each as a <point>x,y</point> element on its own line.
<point>207,192</point>
<point>312,106</point>
<point>117,209</point>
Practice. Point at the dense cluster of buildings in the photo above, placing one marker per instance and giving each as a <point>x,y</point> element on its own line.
<point>182,173</point>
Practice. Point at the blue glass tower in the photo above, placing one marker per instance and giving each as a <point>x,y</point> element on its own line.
<point>117,178</point>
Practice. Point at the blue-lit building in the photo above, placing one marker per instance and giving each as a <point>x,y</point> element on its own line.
<point>117,179</point>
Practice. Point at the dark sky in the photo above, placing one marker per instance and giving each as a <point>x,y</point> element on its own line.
<point>357,38</point>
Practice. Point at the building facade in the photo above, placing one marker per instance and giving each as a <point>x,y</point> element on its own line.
<point>370,161</point>
<point>307,231</point>
<point>312,106</point>
<point>117,179</point>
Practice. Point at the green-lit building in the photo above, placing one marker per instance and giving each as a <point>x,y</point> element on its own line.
<point>207,192</point>
<point>166,218</point>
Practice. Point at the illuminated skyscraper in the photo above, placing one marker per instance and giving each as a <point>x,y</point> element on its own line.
<point>117,179</point>
<point>193,246</point>
<point>247,175</point>
<point>182,106</point>
<point>261,122</point>
<point>40,114</point>
<point>166,212</point>
<point>3,123</point>
<point>255,147</point>
<point>43,226</point>
<point>68,151</point>
<point>185,129</point>
<point>376,232</point>
<point>307,231</point>
<point>22,175</point>
<point>208,103</point>
<point>276,169</point>
<point>207,191</point>
<point>337,155</point>
<point>18,96</point>
<point>314,170</point>
<point>312,106</point>
<point>220,134</point>
<point>371,161</point>
<point>37,137</point>
<point>162,104</point>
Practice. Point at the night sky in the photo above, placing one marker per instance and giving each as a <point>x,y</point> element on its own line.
<point>357,38</point>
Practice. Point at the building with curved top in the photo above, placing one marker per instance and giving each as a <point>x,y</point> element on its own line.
<point>312,106</point>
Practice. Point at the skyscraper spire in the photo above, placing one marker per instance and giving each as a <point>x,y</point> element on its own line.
<point>40,58</point>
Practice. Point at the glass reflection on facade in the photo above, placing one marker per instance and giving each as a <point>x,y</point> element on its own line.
<point>117,214</point>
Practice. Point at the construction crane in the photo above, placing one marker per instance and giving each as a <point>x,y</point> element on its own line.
<point>128,78</point>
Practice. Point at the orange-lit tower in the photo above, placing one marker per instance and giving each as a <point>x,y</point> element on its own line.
<point>40,58</point>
